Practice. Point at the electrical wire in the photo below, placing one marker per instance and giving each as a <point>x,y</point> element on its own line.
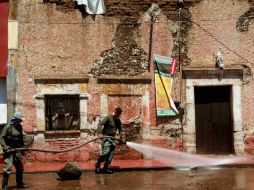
<point>218,40</point>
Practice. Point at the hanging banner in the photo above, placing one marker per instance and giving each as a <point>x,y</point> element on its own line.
<point>163,68</point>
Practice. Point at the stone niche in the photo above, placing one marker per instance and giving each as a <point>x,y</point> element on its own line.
<point>130,93</point>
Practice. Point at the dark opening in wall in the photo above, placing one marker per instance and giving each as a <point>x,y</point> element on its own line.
<point>62,112</point>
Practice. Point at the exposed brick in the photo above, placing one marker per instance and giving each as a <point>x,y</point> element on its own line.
<point>57,39</point>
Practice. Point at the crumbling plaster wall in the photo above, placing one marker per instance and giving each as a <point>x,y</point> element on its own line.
<point>225,26</point>
<point>55,44</point>
<point>56,36</point>
<point>215,29</point>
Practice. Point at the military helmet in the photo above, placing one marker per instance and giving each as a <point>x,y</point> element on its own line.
<point>18,116</point>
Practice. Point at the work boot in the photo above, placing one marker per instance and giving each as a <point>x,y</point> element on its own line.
<point>106,171</point>
<point>5,181</point>
<point>22,186</point>
<point>19,180</point>
<point>97,170</point>
<point>98,164</point>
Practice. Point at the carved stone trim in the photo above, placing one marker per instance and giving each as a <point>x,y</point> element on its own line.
<point>129,80</point>
<point>207,73</point>
<point>61,80</point>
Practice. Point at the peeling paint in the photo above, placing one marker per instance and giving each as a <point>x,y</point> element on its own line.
<point>245,20</point>
<point>125,57</point>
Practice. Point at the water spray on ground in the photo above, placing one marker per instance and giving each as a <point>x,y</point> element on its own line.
<point>172,158</point>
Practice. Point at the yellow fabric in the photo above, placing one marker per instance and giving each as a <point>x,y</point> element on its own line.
<point>163,90</point>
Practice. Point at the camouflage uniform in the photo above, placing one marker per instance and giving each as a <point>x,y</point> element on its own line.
<point>12,137</point>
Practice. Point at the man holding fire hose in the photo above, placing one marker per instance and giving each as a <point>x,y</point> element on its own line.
<point>108,127</point>
<point>11,138</point>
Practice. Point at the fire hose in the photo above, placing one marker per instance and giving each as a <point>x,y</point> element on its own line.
<point>63,150</point>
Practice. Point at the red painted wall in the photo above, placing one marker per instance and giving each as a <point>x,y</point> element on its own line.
<point>3,37</point>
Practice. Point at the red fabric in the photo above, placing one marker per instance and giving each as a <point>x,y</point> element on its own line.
<point>1,159</point>
<point>3,38</point>
<point>173,67</point>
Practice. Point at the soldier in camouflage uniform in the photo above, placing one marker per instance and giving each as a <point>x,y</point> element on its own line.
<point>108,127</point>
<point>12,137</point>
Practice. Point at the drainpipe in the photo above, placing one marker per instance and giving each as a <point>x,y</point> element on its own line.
<point>150,54</point>
<point>150,42</point>
<point>180,66</point>
<point>150,59</point>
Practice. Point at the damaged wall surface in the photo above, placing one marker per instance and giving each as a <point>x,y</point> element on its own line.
<point>108,60</point>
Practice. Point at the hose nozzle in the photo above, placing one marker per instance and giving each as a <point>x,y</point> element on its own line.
<point>122,141</point>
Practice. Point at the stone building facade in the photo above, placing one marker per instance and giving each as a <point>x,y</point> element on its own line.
<point>103,61</point>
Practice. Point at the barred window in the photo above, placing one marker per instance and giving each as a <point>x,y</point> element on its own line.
<point>62,112</point>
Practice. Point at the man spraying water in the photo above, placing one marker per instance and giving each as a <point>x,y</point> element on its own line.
<point>108,127</point>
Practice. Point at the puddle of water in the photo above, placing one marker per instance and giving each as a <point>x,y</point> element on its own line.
<point>183,160</point>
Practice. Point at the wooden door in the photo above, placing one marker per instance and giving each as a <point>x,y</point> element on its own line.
<point>213,120</point>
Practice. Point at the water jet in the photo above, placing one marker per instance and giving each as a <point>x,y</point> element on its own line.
<point>185,161</point>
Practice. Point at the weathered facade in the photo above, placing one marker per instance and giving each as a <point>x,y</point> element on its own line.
<point>107,61</point>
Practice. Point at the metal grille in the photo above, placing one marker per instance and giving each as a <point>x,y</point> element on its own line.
<point>62,112</point>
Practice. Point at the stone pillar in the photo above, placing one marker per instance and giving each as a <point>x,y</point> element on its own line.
<point>237,120</point>
<point>146,127</point>
<point>40,124</point>
<point>189,132</point>
<point>104,105</point>
<point>83,114</point>
<point>40,113</point>
<point>146,116</point>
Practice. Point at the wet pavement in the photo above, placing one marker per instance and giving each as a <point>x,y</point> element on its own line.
<point>200,179</point>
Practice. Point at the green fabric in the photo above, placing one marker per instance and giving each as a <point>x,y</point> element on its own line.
<point>109,126</point>
<point>12,136</point>
<point>108,150</point>
<point>162,59</point>
<point>13,158</point>
<point>107,145</point>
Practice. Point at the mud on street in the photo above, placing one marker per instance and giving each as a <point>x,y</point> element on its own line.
<point>200,179</point>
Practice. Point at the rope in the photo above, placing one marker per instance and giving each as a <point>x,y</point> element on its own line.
<point>63,150</point>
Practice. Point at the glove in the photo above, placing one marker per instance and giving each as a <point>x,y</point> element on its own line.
<point>123,141</point>
<point>6,151</point>
<point>6,148</point>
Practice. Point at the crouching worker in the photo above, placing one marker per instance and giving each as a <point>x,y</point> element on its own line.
<point>12,137</point>
<point>108,127</point>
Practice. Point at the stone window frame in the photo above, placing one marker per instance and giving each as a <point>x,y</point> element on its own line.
<point>72,100</point>
<point>58,87</point>
<point>230,77</point>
